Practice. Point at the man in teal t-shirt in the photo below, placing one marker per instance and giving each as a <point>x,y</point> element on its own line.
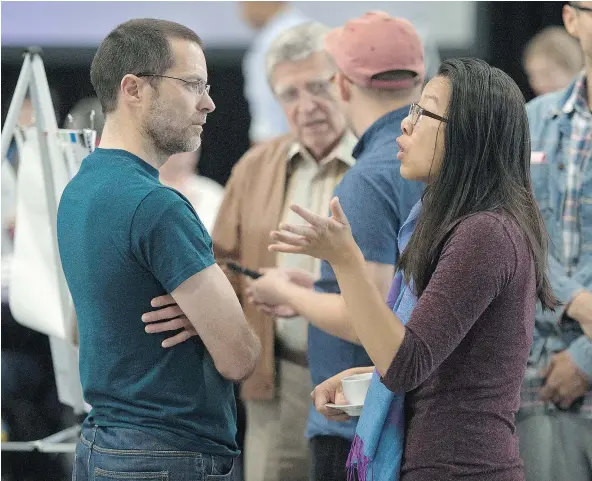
<point>124,239</point>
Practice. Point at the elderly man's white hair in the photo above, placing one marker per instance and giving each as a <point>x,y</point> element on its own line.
<point>296,43</point>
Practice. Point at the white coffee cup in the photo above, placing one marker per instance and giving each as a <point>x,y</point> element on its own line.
<point>355,388</point>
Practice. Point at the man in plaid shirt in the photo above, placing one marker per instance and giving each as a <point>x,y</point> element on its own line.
<point>555,419</point>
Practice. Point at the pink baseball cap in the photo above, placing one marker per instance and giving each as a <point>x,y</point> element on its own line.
<point>376,43</point>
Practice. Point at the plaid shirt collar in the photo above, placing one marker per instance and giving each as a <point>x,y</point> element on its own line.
<point>342,152</point>
<point>578,100</point>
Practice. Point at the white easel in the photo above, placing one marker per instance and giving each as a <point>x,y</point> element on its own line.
<point>57,166</point>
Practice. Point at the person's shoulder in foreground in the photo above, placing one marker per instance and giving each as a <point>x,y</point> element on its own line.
<point>494,239</point>
<point>483,295</point>
<point>500,226</point>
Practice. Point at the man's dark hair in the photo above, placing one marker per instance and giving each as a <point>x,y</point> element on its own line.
<point>136,46</point>
<point>486,167</point>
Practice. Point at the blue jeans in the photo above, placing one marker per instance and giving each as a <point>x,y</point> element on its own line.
<point>117,454</point>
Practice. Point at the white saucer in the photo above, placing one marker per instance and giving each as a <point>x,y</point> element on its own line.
<point>354,410</point>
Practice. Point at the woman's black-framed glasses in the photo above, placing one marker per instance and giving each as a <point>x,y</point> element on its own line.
<point>415,112</point>
<point>196,86</point>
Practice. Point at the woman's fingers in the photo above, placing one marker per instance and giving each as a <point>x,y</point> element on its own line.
<point>288,238</point>
<point>337,211</point>
<point>301,230</point>
<point>286,248</point>
<point>308,215</point>
<point>321,396</point>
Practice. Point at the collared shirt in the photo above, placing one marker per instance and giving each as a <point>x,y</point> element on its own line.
<point>578,156</point>
<point>561,129</point>
<point>267,117</point>
<point>205,196</point>
<point>376,201</point>
<point>310,184</point>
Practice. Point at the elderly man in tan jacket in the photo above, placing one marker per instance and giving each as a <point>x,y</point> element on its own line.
<point>301,167</point>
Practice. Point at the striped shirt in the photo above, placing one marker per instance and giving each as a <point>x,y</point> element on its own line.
<point>578,156</point>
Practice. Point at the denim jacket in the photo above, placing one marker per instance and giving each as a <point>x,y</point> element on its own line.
<point>550,129</point>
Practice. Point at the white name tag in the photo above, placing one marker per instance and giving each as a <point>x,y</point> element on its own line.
<point>538,158</point>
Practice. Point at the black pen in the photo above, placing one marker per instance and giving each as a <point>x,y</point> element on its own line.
<point>243,270</point>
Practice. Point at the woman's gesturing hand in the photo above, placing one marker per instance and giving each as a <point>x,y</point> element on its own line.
<point>327,238</point>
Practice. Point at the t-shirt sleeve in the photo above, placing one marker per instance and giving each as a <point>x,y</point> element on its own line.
<point>477,263</point>
<point>168,238</point>
<point>368,205</point>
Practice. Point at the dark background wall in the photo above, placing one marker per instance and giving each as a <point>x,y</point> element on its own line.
<point>225,137</point>
<point>503,28</point>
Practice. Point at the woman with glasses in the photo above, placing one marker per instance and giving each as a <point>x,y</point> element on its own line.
<point>454,342</point>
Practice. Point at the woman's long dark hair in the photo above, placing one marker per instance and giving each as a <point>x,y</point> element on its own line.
<point>486,167</point>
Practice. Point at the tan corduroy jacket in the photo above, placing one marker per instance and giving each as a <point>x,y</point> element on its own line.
<point>251,209</point>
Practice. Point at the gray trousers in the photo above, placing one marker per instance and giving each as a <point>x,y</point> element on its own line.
<point>556,447</point>
<point>275,446</point>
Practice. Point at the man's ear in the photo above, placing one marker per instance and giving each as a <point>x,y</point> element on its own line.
<point>570,20</point>
<point>130,89</point>
<point>344,86</point>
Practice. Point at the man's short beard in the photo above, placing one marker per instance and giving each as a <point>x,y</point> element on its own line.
<point>168,144</point>
<point>158,129</point>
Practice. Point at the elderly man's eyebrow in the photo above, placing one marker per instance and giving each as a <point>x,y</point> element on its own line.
<point>284,88</point>
<point>433,97</point>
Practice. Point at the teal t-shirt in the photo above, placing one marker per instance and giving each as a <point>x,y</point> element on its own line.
<point>124,238</point>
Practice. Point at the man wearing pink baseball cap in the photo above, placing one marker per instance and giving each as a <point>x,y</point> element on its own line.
<point>378,51</point>
<point>380,72</point>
